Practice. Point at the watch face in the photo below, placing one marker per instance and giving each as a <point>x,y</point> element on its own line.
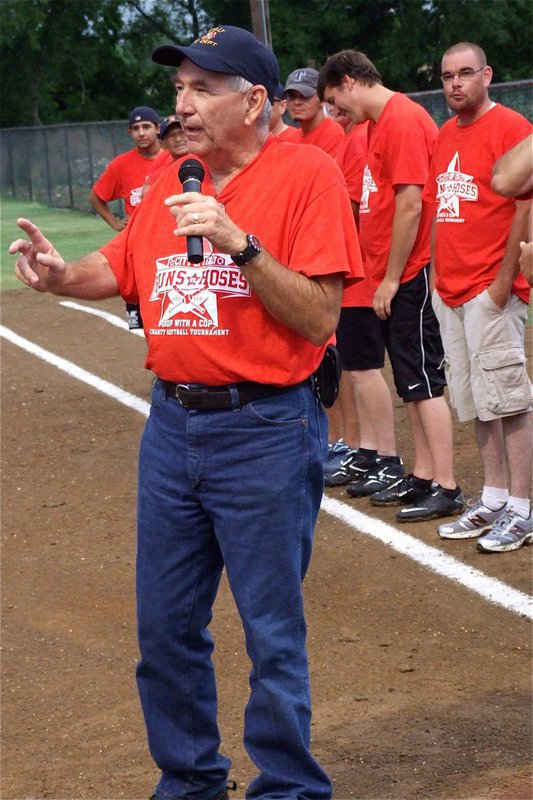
<point>254,242</point>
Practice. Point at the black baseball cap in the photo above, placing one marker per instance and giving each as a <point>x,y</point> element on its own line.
<point>279,91</point>
<point>230,50</point>
<point>143,114</point>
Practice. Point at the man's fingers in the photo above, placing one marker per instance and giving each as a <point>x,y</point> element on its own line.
<point>50,261</point>
<point>19,246</point>
<point>24,272</point>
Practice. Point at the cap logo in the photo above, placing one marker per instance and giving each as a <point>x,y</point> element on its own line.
<point>300,75</point>
<point>208,37</point>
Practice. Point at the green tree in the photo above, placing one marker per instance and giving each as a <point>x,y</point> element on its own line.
<point>91,59</point>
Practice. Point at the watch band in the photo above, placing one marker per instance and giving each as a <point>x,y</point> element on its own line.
<point>251,251</point>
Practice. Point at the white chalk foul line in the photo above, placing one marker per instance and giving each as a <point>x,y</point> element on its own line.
<point>430,557</point>
<point>97,312</point>
<point>126,398</point>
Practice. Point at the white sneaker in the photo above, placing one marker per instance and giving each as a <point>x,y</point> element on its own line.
<point>475,520</point>
<point>510,532</point>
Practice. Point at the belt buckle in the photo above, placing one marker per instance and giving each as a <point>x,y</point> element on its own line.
<point>184,389</point>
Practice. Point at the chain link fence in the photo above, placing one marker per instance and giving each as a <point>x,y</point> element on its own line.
<point>57,164</point>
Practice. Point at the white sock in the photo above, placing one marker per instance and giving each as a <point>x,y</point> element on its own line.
<point>494,498</point>
<point>521,505</point>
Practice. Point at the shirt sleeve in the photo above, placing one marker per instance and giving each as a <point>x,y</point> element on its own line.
<point>118,254</point>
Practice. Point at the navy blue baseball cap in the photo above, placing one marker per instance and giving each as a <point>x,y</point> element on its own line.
<point>279,91</point>
<point>230,50</point>
<point>168,122</point>
<point>144,114</point>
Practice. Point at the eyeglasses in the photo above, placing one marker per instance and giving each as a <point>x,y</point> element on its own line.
<point>465,74</point>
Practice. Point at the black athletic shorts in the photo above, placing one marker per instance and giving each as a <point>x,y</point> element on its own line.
<point>410,335</point>
<point>360,339</point>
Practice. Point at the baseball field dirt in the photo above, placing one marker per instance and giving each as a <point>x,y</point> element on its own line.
<point>421,687</point>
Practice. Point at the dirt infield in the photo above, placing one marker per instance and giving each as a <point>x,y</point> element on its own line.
<point>421,687</point>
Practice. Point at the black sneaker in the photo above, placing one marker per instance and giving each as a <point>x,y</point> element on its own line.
<point>438,503</point>
<point>409,489</point>
<point>386,470</point>
<point>354,466</point>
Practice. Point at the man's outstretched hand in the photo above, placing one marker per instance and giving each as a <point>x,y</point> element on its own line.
<point>39,265</point>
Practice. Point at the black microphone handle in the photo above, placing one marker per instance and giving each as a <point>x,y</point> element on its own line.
<point>195,244</point>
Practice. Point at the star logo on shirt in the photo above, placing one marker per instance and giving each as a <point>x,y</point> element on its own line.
<point>454,186</point>
<point>189,294</point>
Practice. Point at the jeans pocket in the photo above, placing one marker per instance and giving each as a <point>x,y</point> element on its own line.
<point>508,390</point>
<point>158,395</point>
<point>288,407</point>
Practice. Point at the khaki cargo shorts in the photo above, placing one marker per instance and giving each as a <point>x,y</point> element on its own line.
<point>485,360</point>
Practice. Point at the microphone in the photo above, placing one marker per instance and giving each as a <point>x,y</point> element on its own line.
<point>191,174</point>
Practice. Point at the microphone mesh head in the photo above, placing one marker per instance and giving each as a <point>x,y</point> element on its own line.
<point>191,168</point>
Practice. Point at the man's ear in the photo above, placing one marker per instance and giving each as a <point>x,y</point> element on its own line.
<point>347,82</point>
<point>255,102</point>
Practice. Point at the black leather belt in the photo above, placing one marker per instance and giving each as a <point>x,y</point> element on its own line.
<point>208,398</point>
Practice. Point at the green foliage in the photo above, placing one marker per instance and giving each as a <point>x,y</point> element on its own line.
<point>62,60</point>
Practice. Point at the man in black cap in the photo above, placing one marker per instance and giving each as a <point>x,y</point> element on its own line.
<point>125,175</point>
<point>173,140</point>
<point>230,469</point>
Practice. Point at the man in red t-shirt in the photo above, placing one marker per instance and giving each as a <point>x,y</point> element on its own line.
<point>173,140</point>
<point>481,298</point>
<point>125,176</point>
<point>305,108</point>
<point>230,469</point>
<point>278,127</point>
<point>394,227</point>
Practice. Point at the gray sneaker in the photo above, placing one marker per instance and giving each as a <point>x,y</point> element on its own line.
<point>510,532</point>
<point>471,524</point>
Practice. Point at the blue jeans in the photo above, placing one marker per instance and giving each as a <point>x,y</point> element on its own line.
<point>239,489</point>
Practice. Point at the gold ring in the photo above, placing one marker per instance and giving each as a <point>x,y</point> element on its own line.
<point>196,218</point>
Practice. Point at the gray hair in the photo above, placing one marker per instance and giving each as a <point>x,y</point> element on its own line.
<point>236,83</point>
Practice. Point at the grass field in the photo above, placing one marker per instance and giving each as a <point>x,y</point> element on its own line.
<point>72,232</point>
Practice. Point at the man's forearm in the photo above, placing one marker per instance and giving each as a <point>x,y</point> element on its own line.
<point>89,278</point>
<point>311,307</point>
<point>513,172</point>
<point>103,210</point>
<point>404,230</point>
<point>509,266</point>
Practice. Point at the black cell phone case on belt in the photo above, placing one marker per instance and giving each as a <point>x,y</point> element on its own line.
<point>328,375</point>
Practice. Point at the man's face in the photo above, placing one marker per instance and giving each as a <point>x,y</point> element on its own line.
<point>465,94</point>
<point>144,134</point>
<point>278,109</point>
<point>303,109</point>
<point>339,116</point>
<point>346,99</point>
<point>175,141</point>
<point>212,116</point>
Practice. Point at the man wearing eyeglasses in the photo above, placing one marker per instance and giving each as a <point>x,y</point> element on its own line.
<point>481,298</point>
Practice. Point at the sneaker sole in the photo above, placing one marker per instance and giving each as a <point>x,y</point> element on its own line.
<point>329,482</point>
<point>429,515</point>
<point>505,548</point>
<point>473,534</point>
<point>400,501</point>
